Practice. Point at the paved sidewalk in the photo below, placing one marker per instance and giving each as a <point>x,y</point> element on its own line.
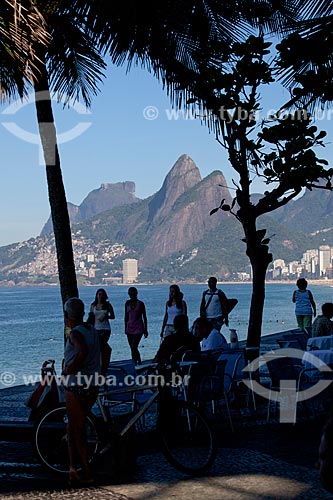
<point>258,462</point>
<point>238,474</point>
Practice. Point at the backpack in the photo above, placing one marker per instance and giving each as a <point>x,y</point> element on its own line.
<point>231,303</point>
<point>48,393</point>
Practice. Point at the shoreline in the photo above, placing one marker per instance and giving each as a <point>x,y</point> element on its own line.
<point>328,282</point>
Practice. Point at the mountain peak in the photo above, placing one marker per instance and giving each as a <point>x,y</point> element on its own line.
<point>128,186</point>
<point>184,165</point>
<point>183,176</point>
<point>103,198</point>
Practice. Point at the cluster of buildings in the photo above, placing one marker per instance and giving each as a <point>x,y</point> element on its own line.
<point>106,263</point>
<point>129,274</point>
<point>314,264</point>
<point>110,263</point>
<point>89,256</point>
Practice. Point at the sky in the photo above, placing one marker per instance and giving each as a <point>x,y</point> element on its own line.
<point>128,134</point>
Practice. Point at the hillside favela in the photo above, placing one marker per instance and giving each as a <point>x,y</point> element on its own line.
<point>165,237</point>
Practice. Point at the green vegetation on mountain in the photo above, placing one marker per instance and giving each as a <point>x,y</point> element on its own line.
<point>171,234</point>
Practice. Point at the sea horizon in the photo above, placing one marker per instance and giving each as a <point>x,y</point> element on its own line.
<point>31,319</point>
<point>312,281</point>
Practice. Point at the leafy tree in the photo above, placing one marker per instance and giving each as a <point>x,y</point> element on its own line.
<point>155,34</point>
<point>279,149</point>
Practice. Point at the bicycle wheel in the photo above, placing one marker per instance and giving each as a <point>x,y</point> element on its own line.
<point>187,440</point>
<point>51,440</point>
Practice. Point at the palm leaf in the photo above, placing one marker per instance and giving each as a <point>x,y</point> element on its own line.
<point>166,36</point>
<point>75,67</point>
<point>310,9</point>
<point>21,27</point>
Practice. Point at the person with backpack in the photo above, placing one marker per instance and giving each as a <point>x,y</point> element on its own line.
<point>214,305</point>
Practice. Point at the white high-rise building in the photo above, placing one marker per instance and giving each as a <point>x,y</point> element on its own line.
<point>130,270</point>
<point>324,259</point>
<point>279,263</point>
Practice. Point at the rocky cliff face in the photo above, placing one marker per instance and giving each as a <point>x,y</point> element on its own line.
<point>183,176</point>
<point>104,198</point>
<point>172,220</point>
<point>171,232</point>
<point>186,221</point>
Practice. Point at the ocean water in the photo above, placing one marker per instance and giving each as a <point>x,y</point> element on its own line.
<point>31,321</point>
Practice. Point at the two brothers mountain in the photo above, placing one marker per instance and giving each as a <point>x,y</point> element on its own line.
<point>171,232</point>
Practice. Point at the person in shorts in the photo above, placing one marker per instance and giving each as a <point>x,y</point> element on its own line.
<point>304,304</point>
<point>101,311</point>
<point>80,376</point>
<point>136,324</point>
<point>214,305</point>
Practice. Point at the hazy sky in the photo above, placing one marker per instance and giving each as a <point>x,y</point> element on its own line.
<point>126,140</point>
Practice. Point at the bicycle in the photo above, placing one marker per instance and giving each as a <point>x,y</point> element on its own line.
<point>184,433</point>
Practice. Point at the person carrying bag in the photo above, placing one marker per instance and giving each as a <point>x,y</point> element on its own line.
<point>215,306</point>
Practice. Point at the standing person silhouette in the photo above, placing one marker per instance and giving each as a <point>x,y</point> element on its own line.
<point>304,304</point>
<point>214,305</point>
<point>136,324</point>
<point>100,312</point>
<point>174,306</point>
<point>81,364</point>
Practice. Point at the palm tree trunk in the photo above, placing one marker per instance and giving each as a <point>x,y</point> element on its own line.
<point>56,190</point>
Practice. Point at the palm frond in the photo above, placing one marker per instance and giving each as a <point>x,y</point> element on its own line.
<point>306,61</point>
<point>21,27</point>
<point>167,35</point>
<point>310,9</point>
<point>75,67</point>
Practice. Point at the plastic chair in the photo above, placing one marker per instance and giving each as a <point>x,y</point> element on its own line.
<point>208,380</point>
<point>322,400</point>
<point>235,363</point>
<point>308,331</point>
<point>119,376</point>
<point>297,339</point>
<point>284,374</point>
<point>290,343</point>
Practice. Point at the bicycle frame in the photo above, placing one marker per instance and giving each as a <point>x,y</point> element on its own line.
<point>194,431</point>
<point>139,414</point>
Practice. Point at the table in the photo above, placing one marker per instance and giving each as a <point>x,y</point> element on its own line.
<point>322,343</point>
<point>324,356</point>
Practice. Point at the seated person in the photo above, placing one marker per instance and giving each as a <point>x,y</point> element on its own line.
<point>181,338</point>
<point>322,325</point>
<point>209,336</point>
